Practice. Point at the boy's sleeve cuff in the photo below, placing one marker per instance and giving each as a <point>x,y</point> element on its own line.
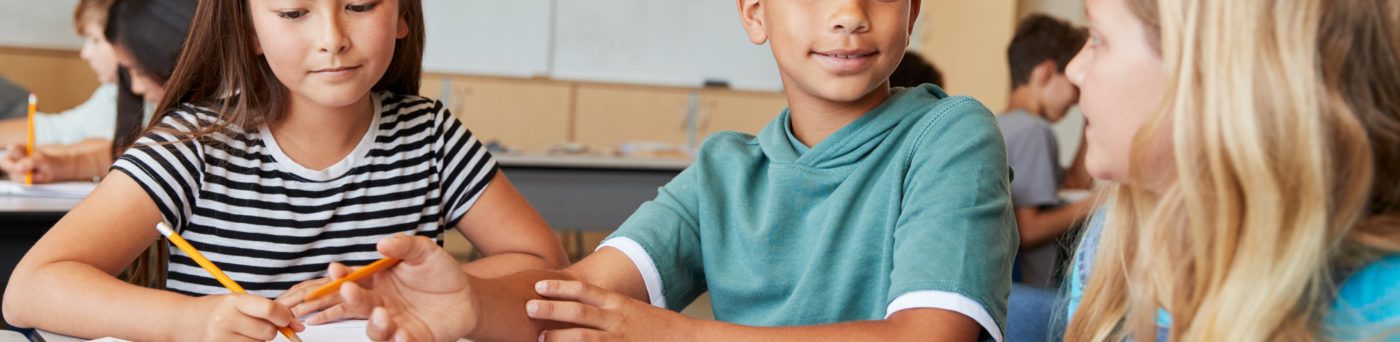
<point>946,301</point>
<point>650,275</point>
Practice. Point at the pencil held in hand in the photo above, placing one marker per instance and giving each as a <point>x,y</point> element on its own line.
<point>29,142</point>
<point>361,273</point>
<point>208,266</point>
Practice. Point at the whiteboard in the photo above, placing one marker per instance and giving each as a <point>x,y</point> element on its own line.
<point>44,24</point>
<point>658,42</point>
<point>662,42</point>
<point>488,37</point>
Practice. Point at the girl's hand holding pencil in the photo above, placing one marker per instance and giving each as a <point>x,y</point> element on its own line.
<point>235,317</point>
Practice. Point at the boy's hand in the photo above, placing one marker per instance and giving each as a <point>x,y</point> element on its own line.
<point>604,315</point>
<point>236,317</point>
<point>330,306</point>
<point>426,297</point>
<point>15,164</point>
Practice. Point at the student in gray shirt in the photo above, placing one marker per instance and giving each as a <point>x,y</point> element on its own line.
<point>1041,95</point>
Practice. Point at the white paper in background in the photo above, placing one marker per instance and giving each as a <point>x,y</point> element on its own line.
<point>348,331</point>
<point>75,190</point>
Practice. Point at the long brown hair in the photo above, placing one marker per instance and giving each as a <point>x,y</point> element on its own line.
<point>244,90</point>
<point>220,70</point>
<point>1285,125</point>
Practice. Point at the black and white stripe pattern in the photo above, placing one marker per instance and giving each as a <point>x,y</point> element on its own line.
<point>269,223</point>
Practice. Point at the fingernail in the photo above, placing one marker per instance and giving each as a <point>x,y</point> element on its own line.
<point>532,307</point>
<point>542,286</point>
<point>541,338</point>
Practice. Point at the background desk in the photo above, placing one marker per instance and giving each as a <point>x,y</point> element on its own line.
<point>23,220</point>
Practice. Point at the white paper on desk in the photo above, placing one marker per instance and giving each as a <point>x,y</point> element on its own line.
<point>351,330</point>
<point>54,190</point>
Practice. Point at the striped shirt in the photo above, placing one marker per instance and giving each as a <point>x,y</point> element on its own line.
<point>270,223</point>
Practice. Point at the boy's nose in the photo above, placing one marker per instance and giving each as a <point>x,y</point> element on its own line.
<point>849,17</point>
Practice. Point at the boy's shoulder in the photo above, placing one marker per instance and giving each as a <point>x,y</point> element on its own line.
<point>934,116</point>
<point>929,104</point>
<point>1018,122</point>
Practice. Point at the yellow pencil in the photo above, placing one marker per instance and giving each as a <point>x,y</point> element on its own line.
<point>29,144</point>
<point>333,286</point>
<point>213,270</point>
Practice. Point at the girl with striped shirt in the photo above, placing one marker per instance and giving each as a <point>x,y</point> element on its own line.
<point>291,138</point>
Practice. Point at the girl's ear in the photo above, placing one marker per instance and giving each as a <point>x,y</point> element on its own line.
<point>403,29</point>
<point>257,45</point>
<point>751,14</point>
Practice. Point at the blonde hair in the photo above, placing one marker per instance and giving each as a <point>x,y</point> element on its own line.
<point>1284,148</point>
<point>90,12</point>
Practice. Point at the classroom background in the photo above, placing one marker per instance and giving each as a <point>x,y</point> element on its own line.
<point>578,104</point>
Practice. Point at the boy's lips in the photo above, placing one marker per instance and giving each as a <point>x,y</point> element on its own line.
<point>846,61</point>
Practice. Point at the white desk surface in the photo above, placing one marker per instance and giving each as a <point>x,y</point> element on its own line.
<point>16,204</point>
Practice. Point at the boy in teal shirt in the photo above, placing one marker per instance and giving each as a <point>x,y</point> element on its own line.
<point>859,212</point>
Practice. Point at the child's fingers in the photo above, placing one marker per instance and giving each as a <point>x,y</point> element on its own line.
<point>338,270</point>
<point>358,299</point>
<point>334,313</point>
<point>381,327</point>
<point>575,334</point>
<point>264,309</point>
<point>569,312</point>
<point>297,293</point>
<point>413,250</point>
<point>577,290</point>
<point>252,328</point>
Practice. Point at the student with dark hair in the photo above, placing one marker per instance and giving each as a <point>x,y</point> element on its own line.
<point>64,139</point>
<point>145,36</point>
<point>1040,96</point>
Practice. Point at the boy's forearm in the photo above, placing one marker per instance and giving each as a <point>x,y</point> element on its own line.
<point>500,306</point>
<point>73,299</point>
<point>507,263</point>
<point>913,325</point>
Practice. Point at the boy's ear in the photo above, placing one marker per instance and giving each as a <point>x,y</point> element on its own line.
<point>1044,71</point>
<point>914,7</point>
<point>751,14</point>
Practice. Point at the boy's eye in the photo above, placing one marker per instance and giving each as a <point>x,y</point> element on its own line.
<point>294,14</point>
<point>361,8</point>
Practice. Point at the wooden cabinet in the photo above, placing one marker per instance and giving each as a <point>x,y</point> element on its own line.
<point>748,112</point>
<point>609,115</point>
<point>60,78</point>
<point>529,115</point>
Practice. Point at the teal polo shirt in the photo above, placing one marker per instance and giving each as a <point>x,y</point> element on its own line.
<point>906,207</point>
